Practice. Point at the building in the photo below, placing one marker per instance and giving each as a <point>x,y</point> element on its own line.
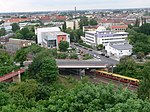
<point>89,28</point>
<point>73,24</point>
<point>15,44</point>
<point>103,36</point>
<point>50,37</point>
<point>118,49</point>
<point>119,28</point>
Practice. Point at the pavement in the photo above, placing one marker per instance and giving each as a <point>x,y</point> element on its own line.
<point>103,59</point>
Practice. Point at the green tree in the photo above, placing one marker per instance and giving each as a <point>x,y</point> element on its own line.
<point>21,56</point>
<point>128,67</point>
<point>145,28</point>
<point>48,71</point>
<point>62,55</point>
<point>63,46</point>
<point>144,89</point>
<point>15,27</point>
<point>93,22</point>
<point>83,22</point>
<point>2,32</point>
<point>73,56</point>
<point>100,47</point>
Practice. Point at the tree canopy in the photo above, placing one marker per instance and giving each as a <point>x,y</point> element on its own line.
<point>63,46</point>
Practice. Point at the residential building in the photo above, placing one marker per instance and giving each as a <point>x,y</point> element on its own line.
<point>103,36</point>
<point>15,44</point>
<point>50,37</point>
<point>118,49</point>
<point>119,28</point>
<point>73,24</point>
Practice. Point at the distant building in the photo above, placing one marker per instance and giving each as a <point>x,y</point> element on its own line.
<point>50,37</point>
<point>73,24</point>
<point>15,44</point>
<point>119,28</point>
<point>89,28</point>
<point>119,49</point>
<point>103,36</point>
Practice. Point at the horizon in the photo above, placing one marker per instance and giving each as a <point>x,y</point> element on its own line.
<point>67,5</point>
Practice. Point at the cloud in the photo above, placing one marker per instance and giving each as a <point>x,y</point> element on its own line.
<point>43,5</point>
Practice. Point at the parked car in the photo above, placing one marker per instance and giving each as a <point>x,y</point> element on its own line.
<point>98,57</point>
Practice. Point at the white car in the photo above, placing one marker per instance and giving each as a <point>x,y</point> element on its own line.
<point>98,57</point>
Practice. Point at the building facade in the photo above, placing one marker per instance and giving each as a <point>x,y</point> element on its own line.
<point>103,36</point>
<point>119,49</point>
<point>51,37</point>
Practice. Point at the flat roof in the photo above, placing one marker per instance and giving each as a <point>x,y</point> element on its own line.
<point>122,46</point>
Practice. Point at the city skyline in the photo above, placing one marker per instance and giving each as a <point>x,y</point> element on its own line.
<point>59,5</point>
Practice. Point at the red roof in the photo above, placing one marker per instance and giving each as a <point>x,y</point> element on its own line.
<point>119,26</point>
<point>16,20</point>
<point>60,17</point>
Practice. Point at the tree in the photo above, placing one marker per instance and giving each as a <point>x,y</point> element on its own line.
<point>25,33</point>
<point>100,46</point>
<point>62,55</point>
<point>2,32</point>
<point>83,22</point>
<point>21,56</point>
<point>15,27</point>
<point>48,71</point>
<point>144,89</point>
<point>73,56</point>
<point>93,22</point>
<point>63,46</point>
<point>128,67</point>
<point>145,28</point>
<point>6,63</point>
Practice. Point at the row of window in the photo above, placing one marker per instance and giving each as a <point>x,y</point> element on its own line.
<point>112,39</point>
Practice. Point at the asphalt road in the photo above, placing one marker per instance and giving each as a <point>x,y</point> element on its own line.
<point>103,59</point>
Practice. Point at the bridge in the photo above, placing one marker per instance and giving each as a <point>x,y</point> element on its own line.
<point>81,64</point>
<point>13,76</point>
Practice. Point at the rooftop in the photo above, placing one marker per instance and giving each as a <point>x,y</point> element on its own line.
<point>123,46</point>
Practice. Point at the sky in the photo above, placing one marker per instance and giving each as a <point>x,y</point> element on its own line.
<point>53,5</point>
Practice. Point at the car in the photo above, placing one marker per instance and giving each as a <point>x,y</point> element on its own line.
<point>94,55</point>
<point>106,56</point>
<point>90,50</point>
<point>103,54</point>
<point>98,57</point>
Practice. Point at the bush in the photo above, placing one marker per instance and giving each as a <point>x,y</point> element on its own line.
<point>87,56</point>
<point>73,56</point>
<point>62,55</point>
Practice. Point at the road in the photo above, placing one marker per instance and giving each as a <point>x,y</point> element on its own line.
<point>94,52</point>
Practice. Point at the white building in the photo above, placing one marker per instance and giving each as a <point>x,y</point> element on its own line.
<point>118,49</point>
<point>103,36</point>
<point>51,37</point>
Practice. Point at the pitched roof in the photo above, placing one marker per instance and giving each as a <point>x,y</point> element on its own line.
<point>119,26</point>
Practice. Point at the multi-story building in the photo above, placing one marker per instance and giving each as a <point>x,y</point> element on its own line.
<point>51,37</point>
<point>103,36</point>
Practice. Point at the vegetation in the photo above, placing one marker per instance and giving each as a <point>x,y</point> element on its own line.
<point>2,32</point>
<point>25,33</point>
<point>128,67</point>
<point>63,46</point>
<point>6,63</point>
<point>31,96</point>
<point>62,55</point>
<point>15,27</point>
<point>87,56</point>
<point>139,40</point>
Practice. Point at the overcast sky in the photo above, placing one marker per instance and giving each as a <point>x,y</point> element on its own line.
<point>51,5</point>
